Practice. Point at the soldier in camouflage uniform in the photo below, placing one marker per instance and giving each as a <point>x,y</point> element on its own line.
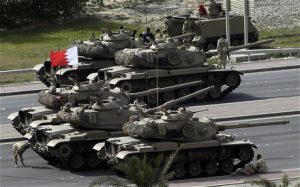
<point>158,35</point>
<point>18,149</point>
<point>247,170</point>
<point>213,10</point>
<point>165,33</point>
<point>261,166</point>
<point>222,48</point>
<point>187,26</point>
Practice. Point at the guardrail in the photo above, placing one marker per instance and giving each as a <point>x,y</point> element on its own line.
<point>16,71</point>
<point>267,51</point>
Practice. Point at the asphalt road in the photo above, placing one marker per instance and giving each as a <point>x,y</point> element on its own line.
<point>254,86</point>
<point>279,146</point>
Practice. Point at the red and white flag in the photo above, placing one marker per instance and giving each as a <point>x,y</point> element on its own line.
<point>65,57</point>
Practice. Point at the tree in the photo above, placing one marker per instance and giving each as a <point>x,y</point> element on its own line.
<point>144,173</point>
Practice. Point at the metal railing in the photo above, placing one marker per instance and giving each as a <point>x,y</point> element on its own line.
<point>267,51</point>
<point>16,71</point>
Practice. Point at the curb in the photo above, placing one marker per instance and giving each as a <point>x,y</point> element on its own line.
<point>14,139</point>
<point>243,71</point>
<point>240,183</point>
<point>234,118</point>
<point>271,69</point>
<point>20,92</point>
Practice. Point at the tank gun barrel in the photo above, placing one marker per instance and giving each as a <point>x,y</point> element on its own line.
<point>165,89</point>
<point>249,125</point>
<point>172,103</point>
<point>192,34</point>
<point>215,52</point>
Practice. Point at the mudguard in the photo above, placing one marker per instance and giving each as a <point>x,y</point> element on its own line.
<point>38,67</point>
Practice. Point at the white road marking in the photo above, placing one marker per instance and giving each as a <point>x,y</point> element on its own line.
<point>71,177</point>
<point>81,176</point>
<point>267,144</point>
<point>3,109</point>
<point>276,143</point>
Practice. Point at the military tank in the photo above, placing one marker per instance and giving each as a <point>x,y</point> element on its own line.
<point>211,29</point>
<point>67,137</point>
<point>93,54</point>
<point>53,99</point>
<point>165,64</point>
<point>203,148</point>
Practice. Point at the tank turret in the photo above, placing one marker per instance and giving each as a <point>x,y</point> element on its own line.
<point>169,56</point>
<point>202,148</point>
<point>181,126</point>
<point>106,47</point>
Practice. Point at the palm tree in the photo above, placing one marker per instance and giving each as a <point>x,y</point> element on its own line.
<point>267,183</point>
<point>110,181</point>
<point>148,174</point>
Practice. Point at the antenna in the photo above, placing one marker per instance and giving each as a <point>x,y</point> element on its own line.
<point>146,12</point>
<point>156,78</point>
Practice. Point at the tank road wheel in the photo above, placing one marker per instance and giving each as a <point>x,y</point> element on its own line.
<point>215,93</point>
<point>245,154</point>
<point>64,150</point>
<point>91,160</point>
<point>183,92</point>
<point>211,167</point>
<point>200,97</point>
<point>233,80</point>
<point>227,165</point>
<point>188,131</point>
<point>179,171</point>
<point>76,162</point>
<point>195,169</point>
<point>211,46</point>
<point>168,96</point>
<point>126,87</point>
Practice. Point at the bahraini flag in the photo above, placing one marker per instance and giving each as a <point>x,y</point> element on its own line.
<point>65,57</point>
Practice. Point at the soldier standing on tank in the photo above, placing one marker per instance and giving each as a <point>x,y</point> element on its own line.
<point>158,35</point>
<point>165,33</point>
<point>147,34</point>
<point>261,166</point>
<point>222,49</point>
<point>187,26</point>
<point>212,8</point>
<point>18,149</point>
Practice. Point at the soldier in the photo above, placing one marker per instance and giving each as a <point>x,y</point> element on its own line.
<point>222,48</point>
<point>158,35</point>
<point>248,169</point>
<point>187,26</point>
<point>18,149</point>
<point>147,34</point>
<point>165,33</point>
<point>261,166</point>
<point>212,8</point>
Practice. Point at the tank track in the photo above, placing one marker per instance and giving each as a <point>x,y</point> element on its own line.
<point>182,165</point>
